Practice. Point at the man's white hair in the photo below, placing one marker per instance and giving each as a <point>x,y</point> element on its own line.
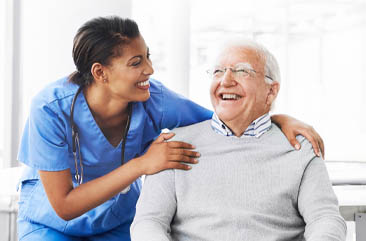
<point>271,67</point>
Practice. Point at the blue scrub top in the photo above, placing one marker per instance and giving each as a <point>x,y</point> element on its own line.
<point>47,145</point>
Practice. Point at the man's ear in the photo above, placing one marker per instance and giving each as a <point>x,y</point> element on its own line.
<point>98,72</point>
<point>272,93</point>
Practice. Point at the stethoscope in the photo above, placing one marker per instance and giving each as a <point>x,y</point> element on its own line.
<point>76,141</point>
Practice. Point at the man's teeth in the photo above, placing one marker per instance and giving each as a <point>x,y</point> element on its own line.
<point>143,83</point>
<point>230,97</point>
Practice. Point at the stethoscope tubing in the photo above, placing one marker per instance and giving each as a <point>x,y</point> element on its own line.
<point>76,150</point>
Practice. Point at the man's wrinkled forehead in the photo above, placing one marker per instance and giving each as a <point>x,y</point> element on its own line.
<point>233,54</point>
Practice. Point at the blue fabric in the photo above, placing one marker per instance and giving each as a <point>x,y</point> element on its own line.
<point>30,231</point>
<point>46,145</point>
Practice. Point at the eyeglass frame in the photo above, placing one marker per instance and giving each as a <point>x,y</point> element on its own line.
<point>234,70</point>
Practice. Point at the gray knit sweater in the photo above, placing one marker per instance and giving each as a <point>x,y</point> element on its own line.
<point>249,189</point>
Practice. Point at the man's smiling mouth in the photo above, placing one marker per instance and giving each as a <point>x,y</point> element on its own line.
<point>230,96</point>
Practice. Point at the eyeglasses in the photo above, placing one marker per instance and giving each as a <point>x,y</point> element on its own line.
<point>240,71</point>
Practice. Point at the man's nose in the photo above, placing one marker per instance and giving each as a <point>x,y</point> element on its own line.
<point>228,79</point>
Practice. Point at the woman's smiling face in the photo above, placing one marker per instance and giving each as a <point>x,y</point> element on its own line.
<point>128,75</point>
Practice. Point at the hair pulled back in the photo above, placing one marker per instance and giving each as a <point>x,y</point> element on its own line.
<point>98,41</point>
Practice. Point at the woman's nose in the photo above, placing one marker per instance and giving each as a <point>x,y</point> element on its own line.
<point>149,70</point>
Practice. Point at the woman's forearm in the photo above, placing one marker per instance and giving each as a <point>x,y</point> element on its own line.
<point>69,202</point>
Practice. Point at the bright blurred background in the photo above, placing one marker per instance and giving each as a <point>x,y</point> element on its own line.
<point>320,45</point>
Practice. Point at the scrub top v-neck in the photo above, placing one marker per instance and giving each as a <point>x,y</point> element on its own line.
<point>46,145</point>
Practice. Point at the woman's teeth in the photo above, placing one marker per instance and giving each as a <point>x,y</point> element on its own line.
<point>230,97</point>
<point>144,83</point>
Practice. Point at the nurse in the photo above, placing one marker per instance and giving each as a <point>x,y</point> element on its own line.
<point>92,135</point>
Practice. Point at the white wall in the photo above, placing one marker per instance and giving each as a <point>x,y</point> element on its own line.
<point>47,32</point>
<point>165,26</point>
<point>2,89</point>
<point>36,48</point>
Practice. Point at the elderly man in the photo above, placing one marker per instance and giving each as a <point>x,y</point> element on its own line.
<point>249,184</point>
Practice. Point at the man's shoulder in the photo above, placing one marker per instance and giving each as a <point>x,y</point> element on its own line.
<point>192,131</point>
<point>280,142</point>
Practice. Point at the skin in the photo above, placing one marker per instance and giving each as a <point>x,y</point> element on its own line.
<point>257,99</point>
<point>292,127</point>
<point>256,96</point>
<point>114,86</point>
<point>108,98</point>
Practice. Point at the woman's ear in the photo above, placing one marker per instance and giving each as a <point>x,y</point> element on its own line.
<point>272,93</point>
<point>98,72</point>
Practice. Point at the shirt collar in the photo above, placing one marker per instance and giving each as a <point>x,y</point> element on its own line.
<point>257,128</point>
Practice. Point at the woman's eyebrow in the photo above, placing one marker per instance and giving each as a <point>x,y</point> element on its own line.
<point>137,56</point>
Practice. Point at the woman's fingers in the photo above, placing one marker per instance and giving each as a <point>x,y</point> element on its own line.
<point>178,165</point>
<point>179,153</point>
<point>322,147</point>
<point>163,154</point>
<point>313,138</point>
<point>180,144</point>
<point>294,142</point>
<point>163,137</point>
<point>182,158</point>
<point>185,152</point>
<point>174,154</point>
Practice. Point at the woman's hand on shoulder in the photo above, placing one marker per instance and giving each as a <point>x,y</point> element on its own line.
<point>292,127</point>
<point>163,155</point>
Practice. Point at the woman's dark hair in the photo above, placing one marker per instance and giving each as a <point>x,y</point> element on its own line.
<point>100,40</point>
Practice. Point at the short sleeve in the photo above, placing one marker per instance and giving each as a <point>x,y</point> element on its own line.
<point>43,145</point>
<point>179,111</point>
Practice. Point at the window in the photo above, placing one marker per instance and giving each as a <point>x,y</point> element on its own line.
<point>319,46</point>
<point>36,51</point>
<point>2,86</point>
<point>320,50</point>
